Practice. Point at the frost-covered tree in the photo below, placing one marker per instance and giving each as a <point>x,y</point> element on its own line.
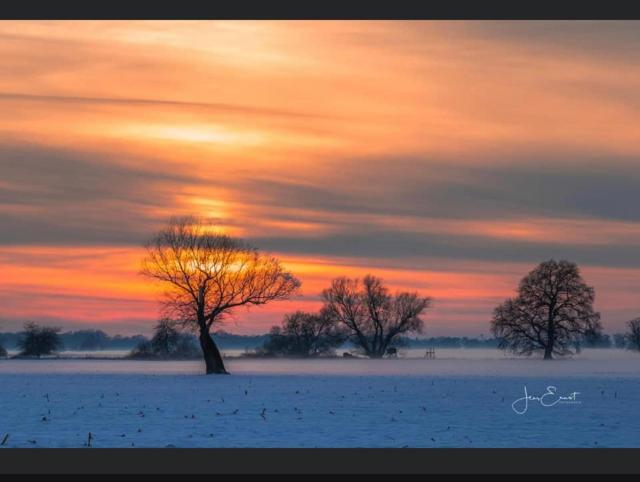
<point>634,334</point>
<point>38,340</point>
<point>372,316</point>
<point>552,312</point>
<point>207,275</point>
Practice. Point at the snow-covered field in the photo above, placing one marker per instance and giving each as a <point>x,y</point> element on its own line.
<point>461,399</point>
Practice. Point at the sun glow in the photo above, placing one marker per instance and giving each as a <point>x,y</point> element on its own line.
<point>197,133</point>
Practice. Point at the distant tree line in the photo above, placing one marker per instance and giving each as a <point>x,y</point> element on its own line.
<point>279,343</point>
<point>81,340</point>
<point>287,341</point>
<point>451,342</point>
<point>293,339</point>
<point>90,340</point>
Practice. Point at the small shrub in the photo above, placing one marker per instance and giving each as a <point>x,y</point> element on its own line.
<point>167,343</point>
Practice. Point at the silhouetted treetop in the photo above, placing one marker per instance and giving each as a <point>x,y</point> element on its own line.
<point>373,317</point>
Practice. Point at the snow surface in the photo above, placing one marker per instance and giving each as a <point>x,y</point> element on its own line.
<point>461,399</point>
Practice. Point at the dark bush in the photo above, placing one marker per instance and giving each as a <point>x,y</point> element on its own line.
<point>167,343</point>
<point>303,335</point>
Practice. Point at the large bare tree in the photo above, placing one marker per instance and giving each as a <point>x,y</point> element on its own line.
<point>207,274</point>
<point>552,312</point>
<point>372,315</point>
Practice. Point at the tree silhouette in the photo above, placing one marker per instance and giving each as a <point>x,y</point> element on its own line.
<point>39,340</point>
<point>373,317</point>
<point>552,312</point>
<point>207,274</point>
<point>634,334</point>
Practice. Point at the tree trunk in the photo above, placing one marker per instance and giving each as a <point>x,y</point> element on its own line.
<point>551,336</point>
<point>212,356</point>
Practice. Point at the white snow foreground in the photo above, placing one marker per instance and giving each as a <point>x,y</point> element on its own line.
<point>321,403</point>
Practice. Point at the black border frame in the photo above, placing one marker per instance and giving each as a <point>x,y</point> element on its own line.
<point>436,461</point>
<point>351,10</point>
<point>411,461</point>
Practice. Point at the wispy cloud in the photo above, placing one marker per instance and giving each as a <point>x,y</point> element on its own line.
<point>231,108</point>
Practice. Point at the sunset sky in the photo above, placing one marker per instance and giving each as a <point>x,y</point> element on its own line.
<point>446,157</point>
